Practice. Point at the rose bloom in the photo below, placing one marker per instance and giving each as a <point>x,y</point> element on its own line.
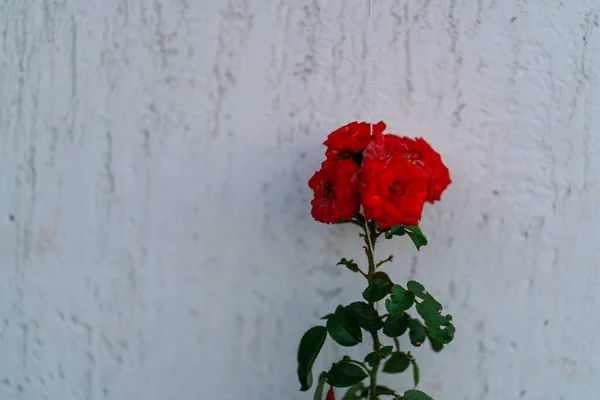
<point>393,192</point>
<point>418,152</point>
<point>351,139</point>
<point>335,188</point>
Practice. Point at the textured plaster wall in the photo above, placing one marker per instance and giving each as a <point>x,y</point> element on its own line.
<point>155,235</point>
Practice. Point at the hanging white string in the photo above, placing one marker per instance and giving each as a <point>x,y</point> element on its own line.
<point>371,62</point>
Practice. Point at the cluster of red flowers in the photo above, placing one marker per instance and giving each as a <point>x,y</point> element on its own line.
<point>390,176</point>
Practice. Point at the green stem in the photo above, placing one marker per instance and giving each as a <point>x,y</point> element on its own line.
<point>363,273</point>
<point>397,343</point>
<point>370,237</point>
<point>375,368</point>
<point>369,250</point>
<point>380,263</point>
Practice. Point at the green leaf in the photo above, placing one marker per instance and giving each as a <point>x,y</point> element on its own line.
<point>366,316</point>
<point>320,386</point>
<point>372,359</point>
<point>350,264</point>
<point>376,290</point>
<point>397,230</point>
<point>352,393</point>
<point>416,395</point>
<point>383,276</point>
<point>345,374</point>
<point>418,290</point>
<point>310,346</point>
<point>416,373</point>
<point>386,351</point>
<point>344,328</point>
<point>429,308</point>
<point>396,326</point>
<point>400,300</point>
<point>439,327</point>
<point>435,345</point>
<point>417,332</point>
<point>416,235</point>
<point>397,363</point>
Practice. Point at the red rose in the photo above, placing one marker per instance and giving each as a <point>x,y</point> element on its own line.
<point>330,394</point>
<point>422,154</point>
<point>351,139</point>
<point>384,147</point>
<point>335,187</point>
<point>418,152</point>
<point>393,192</point>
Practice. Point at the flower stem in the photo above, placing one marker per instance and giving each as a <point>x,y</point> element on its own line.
<point>370,238</point>
<point>375,369</point>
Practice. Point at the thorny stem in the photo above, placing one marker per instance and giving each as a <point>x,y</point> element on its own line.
<point>370,238</point>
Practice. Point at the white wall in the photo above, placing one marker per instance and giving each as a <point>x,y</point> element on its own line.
<point>154,156</point>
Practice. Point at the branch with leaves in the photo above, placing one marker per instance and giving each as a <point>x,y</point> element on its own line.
<point>378,182</point>
<point>346,325</point>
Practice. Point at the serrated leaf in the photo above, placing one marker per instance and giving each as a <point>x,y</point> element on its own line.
<point>386,351</point>
<point>308,350</point>
<point>366,316</point>
<point>416,235</point>
<point>350,264</point>
<point>345,374</point>
<point>416,395</point>
<point>352,393</point>
<point>396,326</point>
<point>418,290</point>
<point>439,327</point>
<point>435,345</point>
<point>320,386</point>
<point>372,359</point>
<point>377,290</point>
<point>417,333</point>
<point>383,276</point>
<point>398,362</point>
<point>400,300</point>
<point>344,328</point>
<point>429,308</point>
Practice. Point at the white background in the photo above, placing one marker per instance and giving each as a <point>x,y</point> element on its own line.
<point>154,158</point>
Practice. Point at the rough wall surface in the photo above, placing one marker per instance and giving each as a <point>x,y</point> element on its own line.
<point>155,236</point>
